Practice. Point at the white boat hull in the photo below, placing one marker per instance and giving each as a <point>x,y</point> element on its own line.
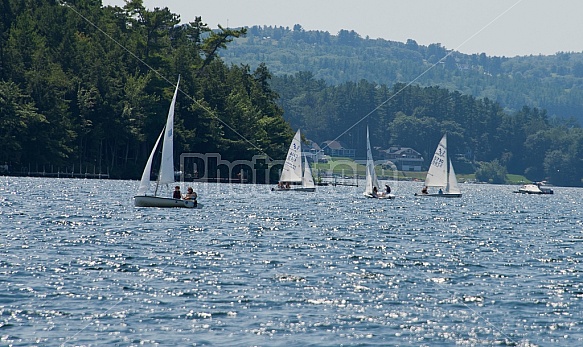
<point>381,196</point>
<point>155,201</point>
<point>444,195</point>
<point>531,192</point>
<point>534,189</point>
<point>296,189</point>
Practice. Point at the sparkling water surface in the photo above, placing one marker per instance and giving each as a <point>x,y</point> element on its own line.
<point>81,266</point>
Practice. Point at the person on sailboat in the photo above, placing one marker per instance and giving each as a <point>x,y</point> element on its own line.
<point>177,194</point>
<point>440,191</point>
<point>387,189</point>
<point>190,194</point>
<point>375,192</point>
<point>424,190</point>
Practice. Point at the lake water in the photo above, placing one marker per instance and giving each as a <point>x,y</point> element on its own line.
<point>80,265</point>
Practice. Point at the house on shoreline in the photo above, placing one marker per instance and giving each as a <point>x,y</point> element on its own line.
<point>404,158</point>
<point>336,149</point>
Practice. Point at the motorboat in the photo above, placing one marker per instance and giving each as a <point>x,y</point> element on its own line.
<point>535,188</point>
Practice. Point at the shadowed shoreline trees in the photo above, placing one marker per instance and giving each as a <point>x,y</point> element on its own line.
<point>86,85</point>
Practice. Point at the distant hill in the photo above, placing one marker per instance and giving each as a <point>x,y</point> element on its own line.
<point>554,83</point>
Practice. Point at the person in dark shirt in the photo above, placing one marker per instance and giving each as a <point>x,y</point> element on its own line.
<point>177,194</point>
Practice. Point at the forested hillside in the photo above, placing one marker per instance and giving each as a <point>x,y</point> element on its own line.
<point>495,109</point>
<point>86,86</point>
<point>554,83</point>
<point>83,86</point>
<point>480,132</point>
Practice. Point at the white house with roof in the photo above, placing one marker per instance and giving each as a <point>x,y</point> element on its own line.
<point>336,149</point>
<point>313,152</point>
<point>404,158</point>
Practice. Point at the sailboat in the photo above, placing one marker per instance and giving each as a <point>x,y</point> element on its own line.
<point>292,170</point>
<point>441,174</point>
<point>371,176</point>
<point>166,173</point>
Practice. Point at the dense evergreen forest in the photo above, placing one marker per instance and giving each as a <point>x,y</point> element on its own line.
<point>88,87</point>
<point>82,85</point>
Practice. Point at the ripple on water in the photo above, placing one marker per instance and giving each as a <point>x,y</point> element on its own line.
<point>81,266</point>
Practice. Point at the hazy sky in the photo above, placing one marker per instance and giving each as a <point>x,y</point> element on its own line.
<point>495,27</point>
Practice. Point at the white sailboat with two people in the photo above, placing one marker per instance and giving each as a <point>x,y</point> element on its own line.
<point>294,176</point>
<point>441,175</point>
<point>371,189</point>
<point>166,173</point>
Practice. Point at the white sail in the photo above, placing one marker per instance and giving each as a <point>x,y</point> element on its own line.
<point>292,168</point>
<point>308,179</point>
<point>437,174</point>
<point>145,181</point>
<point>167,166</point>
<point>166,173</point>
<point>371,176</point>
<point>441,174</point>
<point>452,187</point>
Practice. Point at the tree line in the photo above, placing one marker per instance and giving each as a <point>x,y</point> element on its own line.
<point>84,85</point>
<point>481,134</point>
<point>553,82</point>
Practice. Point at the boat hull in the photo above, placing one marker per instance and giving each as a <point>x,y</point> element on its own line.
<point>298,189</point>
<point>534,189</point>
<point>155,201</point>
<point>444,195</point>
<point>383,196</point>
<point>534,192</point>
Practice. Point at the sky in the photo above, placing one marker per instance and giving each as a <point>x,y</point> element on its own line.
<point>494,27</point>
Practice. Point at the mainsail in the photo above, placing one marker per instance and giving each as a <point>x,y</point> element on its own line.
<point>167,166</point>
<point>437,174</point>
<point>371,176</point>
<point>292,168</point>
